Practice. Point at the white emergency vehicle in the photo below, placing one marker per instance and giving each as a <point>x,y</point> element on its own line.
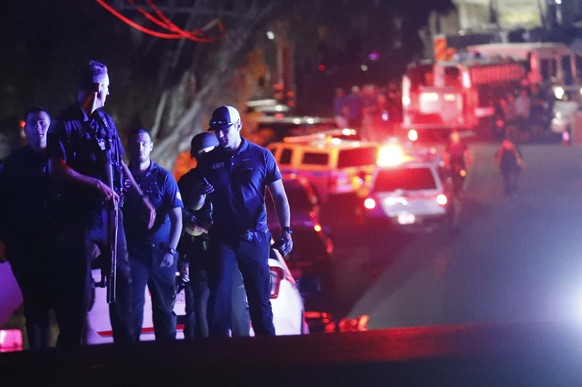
<point>334,166</point>
<point>409,192</point>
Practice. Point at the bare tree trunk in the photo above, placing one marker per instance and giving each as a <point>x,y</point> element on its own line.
<point>232,51</point>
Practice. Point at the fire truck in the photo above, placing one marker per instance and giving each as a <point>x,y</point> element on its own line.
<point>463,94</point>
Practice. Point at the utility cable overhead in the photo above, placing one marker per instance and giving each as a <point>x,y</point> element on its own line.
<point>172,31</point>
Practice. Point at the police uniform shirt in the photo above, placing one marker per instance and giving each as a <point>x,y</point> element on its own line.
<point>80,141</point>
<point>239,182</point>
<point>25,193</point>
<point>162,190</point>
<point>194,177</point>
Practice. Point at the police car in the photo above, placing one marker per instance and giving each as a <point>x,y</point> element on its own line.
<point>408,191</point>
<point>286,301</point>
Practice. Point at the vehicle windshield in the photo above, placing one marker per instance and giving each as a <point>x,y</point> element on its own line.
<point>405,179</point>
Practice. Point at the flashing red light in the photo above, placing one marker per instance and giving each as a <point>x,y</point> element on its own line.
<point>22,124</point>
<point>10,340</point>
<point>321,67</point>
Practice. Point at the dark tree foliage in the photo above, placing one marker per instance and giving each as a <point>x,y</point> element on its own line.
<point>341,36</point>
<point>172,85</point>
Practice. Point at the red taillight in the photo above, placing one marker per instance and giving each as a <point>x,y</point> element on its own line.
<point>369,203</point>
<point>442,199</point>
<point>10,340</point>
<point>276,277</point>
<point>332,183</point>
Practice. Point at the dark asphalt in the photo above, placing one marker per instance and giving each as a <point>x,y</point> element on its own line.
<point>542,354</point>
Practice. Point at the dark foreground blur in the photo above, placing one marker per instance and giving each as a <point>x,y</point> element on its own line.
<point>540,354</point>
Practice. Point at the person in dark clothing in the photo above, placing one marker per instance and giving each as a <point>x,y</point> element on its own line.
<point>152,253</point>
<point>27,231</point>
<point>238,173</point>
<point>457,152</point>
<point>193,250</point>
<point>354,108</point>
<point>510,162</point>
<point>83,147</point>
<point>457,159</point>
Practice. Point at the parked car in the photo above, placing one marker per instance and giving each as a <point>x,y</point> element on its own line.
<point>312,243</point>
<point>304,203</point>
<point>411,194</point>
<point>286,301</point>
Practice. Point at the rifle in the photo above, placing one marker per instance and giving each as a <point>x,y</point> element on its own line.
<point>109,268</point>
<point>109,264</point>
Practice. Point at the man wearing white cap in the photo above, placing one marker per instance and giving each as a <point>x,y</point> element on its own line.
<point>238,173</point>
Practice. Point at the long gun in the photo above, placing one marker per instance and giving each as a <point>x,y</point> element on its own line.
<point>109,269</point>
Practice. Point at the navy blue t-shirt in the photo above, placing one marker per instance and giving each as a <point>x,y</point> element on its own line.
<point>240,182</point>
<point>162,190</point>
<point>25,199</point>
<point>82,142</point>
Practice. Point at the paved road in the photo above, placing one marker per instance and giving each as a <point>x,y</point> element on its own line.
<point>512,260</point>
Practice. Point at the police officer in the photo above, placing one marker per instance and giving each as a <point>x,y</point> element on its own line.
<point>152,253</point>
<point>194,255</point>
<point>27,233</point>
<point>238,173</point>
<point>83,146</point>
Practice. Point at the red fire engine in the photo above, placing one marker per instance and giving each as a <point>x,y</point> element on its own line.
<point>463,94</point>
<point>456,95</point>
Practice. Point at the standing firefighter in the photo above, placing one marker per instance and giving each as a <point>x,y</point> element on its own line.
<point>86,161</point>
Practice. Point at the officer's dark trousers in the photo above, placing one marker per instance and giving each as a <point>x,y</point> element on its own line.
<point>197,293</point>
<point>226,250</point>
<point>35,271</point>
<point>145,270</point>
<point>84,239</point>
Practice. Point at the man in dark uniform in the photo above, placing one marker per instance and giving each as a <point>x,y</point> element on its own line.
<point>238,173</point>
<point>27,231</point>
<point>193,250</point>
<point>152,253</point>
<point>83,144</point>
